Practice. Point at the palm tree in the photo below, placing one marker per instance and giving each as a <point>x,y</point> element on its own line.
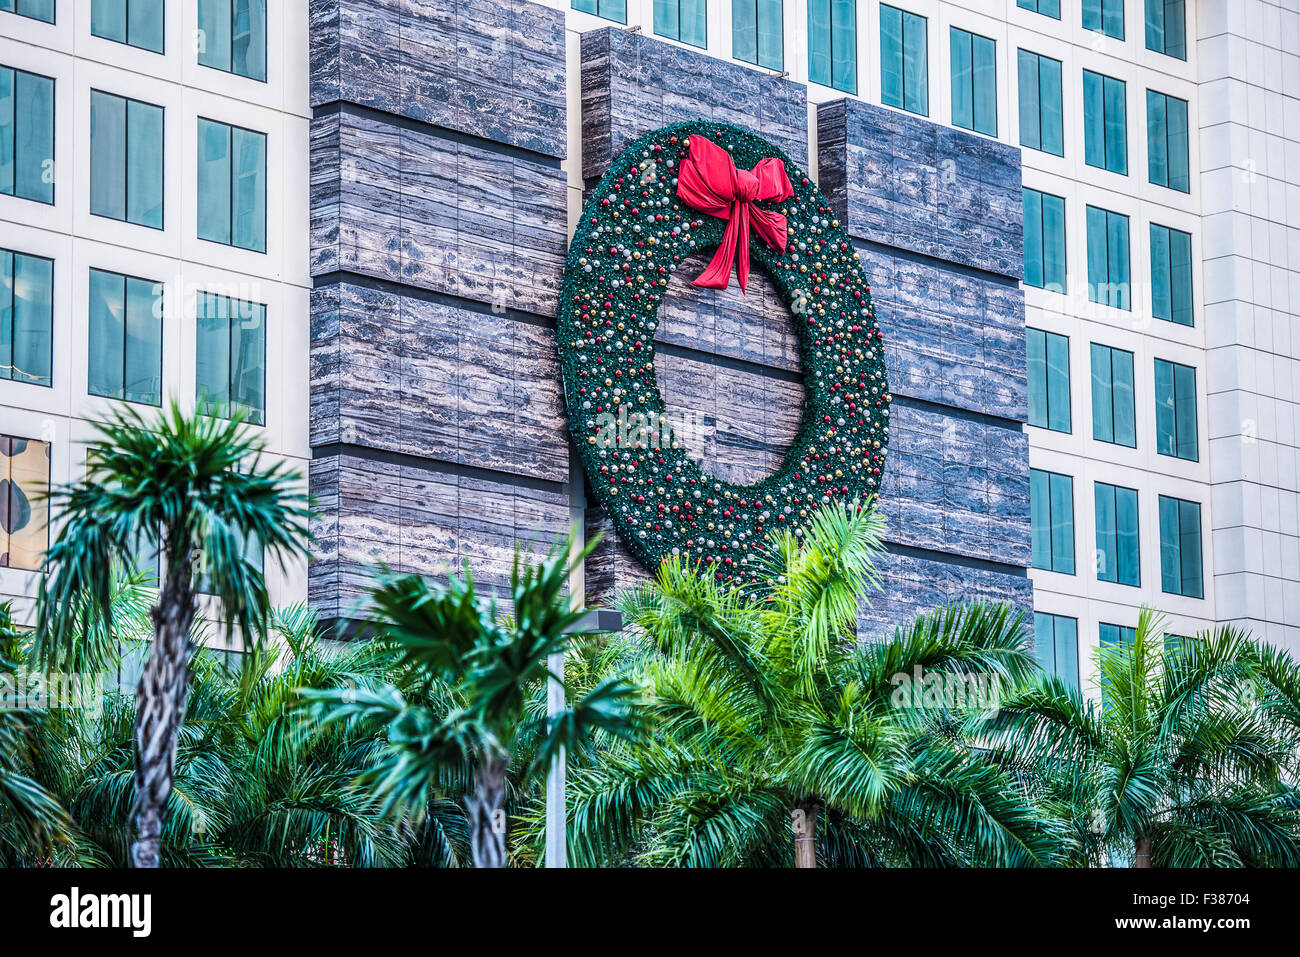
<point>31,818</point>
<point>1186,760</point>
<point>193,488</point>
<point>464,719</point>
<point>769,711</point>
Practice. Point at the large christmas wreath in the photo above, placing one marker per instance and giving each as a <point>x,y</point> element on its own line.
<point>675,192</point>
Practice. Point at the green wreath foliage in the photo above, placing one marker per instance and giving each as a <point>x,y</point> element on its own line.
<point>634,234</point>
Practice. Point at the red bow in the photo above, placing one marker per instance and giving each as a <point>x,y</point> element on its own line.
<point>708,181</point>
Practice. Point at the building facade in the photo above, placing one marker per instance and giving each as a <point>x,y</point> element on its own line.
<point>1080,219</point>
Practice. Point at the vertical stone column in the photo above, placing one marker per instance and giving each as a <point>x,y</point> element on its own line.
<point>439,230</point>
<point>936,217</point>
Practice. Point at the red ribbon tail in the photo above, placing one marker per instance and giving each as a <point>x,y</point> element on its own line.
<point>741,216</point>
<point>718,273</point>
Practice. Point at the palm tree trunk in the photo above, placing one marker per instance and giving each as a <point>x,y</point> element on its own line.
<point>160,711</point>
<point>1142,849</point>
<point>805,834</point>
<point>486,807</point>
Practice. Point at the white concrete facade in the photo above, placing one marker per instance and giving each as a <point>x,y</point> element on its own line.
<point>77,241</point>
<point>1249,77</point>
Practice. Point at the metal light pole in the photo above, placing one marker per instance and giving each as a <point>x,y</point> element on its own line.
<point>557,844</point>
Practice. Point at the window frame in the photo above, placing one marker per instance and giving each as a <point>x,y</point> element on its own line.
<point>833,30</point>
<point>1039,58</point>
<point>54,12</point>
<point>654,20</point>
<point>1052,491</point>
<point>54,134</point>
<point>1058,641</point>
<point>1103,9</point>
<point>13,254</point>
<point>1114,536</point>
<point>1121,289</point>
<point>260,420</point>
<point>230,156</point>
<point>906,18</point>
<point>1107,123</point>
<point>162,26</point>
<point>37,506</point>
<point>266,45</point>
<point>1177,546</point>
<point>162,333</point>
<point>1037,7</point>
<point>758,57</point>
<point>1129,418</point>
<point>1174,369</point>
<point>971,37</point>
<point>1164,6</point>
<point>1166,259</point>
<point>1035,334</point>
<point>126,161</point>
<point>598,5</point>
<point>1162,136</point>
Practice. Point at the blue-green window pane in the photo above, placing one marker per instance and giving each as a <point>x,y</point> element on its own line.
<point>135,22</point>
<point>1032,201</point>
<point>231,185</point>
<point>231,359</point>
<point>232,36</point>
<point>107,353</point>
<point>682,20</point>
<point>1116,512</point>
<point>108,155</point>
<point>126,160</point>
<point>108,19</point>
<point>144,24</point>
<point>125,338</point>
<point>757,32</point>
<point>1167,147</point>
<point>213,39</point>
<point>1106,16</point>
<point>1108,258</point>
<point>1051,504</point>
<point>248,359</point>
<point>615,10</point>
<point>26,317</point>
<point>212,360</point>
<point>1111,635</point>
<point>1044,231</point>
<point>832,44</point>
<point>1048,8</point>
<point>904,60</point>
<point>1041,116</point>
<point>1048,360</point>
<point>1105,123</point>
<point>214,183</point>
<point>26,135</point>
<point>144,167</point>
<point>1179,305</point>
<point>1180,547</point>
<point>1112,396</point>
<point>1176,423</point>
<point>142,375</point>
<point>974,82</point>
<point>248,39</point>
<point>35,9</point>
<point>248,212</point>
<point>1166,23</point>
<point>1056,646</point>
